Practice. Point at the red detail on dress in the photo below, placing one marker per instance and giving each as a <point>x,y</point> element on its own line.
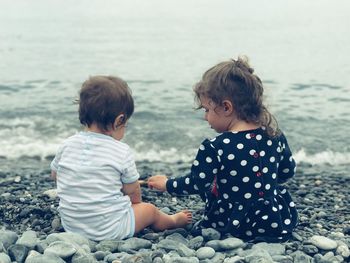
<point>214,189</point>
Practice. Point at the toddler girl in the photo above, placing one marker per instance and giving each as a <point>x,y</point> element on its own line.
<point>97,180</point>
<point>238,173</point>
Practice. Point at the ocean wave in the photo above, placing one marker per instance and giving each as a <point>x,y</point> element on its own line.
<point>327,157</point>
<point>24,142</point>
<point>171,155</point>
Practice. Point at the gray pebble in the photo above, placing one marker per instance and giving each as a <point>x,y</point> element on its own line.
<point>184,251</point>
<point>205,252</point>
<point>28,239</point>
<point>167,245</point>
<point>8,238</point>
<point>134,243</point>
<point>196,242</point>
<point>310,249</point>
<point>271,248</point>
<point>41,246</point>
<point>183,260</point>
<point>343,249</point>
<point>36,257</point>
<point>109,245</point>
<point>4,258</point>
<point>323,242</point>
<point>61,249</point>
<point>301,257</point>
<point>210,234</point>
<point>81,256</point>
<point>2,248</point>
<point>157,260</point>
<point>151,236</point>
<point>51,193</point>
<point>235,259</point>
<point>18,252</point>
<point>258,255</point>
<point>177,237</point>
<point>56,223</point>
<point>165,210</point>
<point>100,255</point>
<point>226,244</point>
<point>181,231</point>
<point>218,258</point>
<point>282,259</point>
<point>68,237</point>
<point>6,195</point>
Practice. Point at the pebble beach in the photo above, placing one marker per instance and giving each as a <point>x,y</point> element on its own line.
<point>30,229</point>
<point>161,48</point>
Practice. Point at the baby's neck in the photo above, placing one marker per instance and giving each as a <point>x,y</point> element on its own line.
<point>243,126</point>
<point>94,128</point>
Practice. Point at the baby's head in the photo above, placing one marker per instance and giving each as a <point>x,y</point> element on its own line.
<point>102,99</point>
<point>235,81</point>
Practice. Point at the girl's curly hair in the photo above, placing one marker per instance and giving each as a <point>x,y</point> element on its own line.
<point>235,80</point>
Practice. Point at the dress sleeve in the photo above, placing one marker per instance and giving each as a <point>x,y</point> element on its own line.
<point>203,170</point>
<point>287,165</point>
<point>129,171</point>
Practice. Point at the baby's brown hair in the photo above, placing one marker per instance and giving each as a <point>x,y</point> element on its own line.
<point>102,99</point>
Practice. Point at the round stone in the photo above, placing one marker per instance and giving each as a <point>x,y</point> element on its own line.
<point>205,252</point>
<point>324,243</point>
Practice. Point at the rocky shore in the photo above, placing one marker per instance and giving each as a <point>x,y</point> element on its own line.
<point>30,229</point>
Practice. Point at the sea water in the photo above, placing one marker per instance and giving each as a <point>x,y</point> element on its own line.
<point>300,49</point>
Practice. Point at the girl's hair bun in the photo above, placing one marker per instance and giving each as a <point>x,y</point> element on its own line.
<point>243,64</point>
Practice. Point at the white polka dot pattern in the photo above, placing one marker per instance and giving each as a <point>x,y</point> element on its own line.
<point>248,167</point>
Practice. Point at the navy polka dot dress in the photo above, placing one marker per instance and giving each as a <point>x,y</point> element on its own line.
<point>239,175</point>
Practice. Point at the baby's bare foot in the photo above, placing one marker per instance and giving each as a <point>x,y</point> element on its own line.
<point>182,218</point>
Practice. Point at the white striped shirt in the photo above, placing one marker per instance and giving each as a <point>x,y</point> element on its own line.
<point>91,169</point>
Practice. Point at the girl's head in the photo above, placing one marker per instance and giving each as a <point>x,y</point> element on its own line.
<point>233,82</point>
<point>105,101</point>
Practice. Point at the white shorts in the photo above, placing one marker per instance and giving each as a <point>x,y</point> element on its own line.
<point>126,228</point>
<point>106,226</point>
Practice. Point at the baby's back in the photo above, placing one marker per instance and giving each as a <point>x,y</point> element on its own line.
<point>89,184</point>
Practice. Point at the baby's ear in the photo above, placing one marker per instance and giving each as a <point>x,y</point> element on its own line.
<point>120,119</point>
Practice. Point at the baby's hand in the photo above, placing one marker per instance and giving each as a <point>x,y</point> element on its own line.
<point>158,182</point>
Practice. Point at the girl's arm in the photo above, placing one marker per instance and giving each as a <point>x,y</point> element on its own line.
<point>158,182</point>
<point>133,190</point>
<point>287,165</point>
<point>198,181</point>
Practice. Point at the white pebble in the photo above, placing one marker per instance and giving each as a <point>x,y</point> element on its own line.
<point>324,243</point>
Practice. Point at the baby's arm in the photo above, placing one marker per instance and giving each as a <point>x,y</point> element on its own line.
<point>53,175</point>
<point>133,190</point>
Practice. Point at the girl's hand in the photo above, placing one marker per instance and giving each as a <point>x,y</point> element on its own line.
<point>158,182</point>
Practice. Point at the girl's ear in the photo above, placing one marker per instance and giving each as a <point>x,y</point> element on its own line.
<point>120,119</point>
<point>228,107</point>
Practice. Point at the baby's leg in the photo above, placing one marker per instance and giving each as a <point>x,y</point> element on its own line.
<point>147,214</point>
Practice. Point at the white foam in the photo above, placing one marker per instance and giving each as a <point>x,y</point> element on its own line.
<point>23,137</point>
<point>23,140</point>
<point>171,155</point>
<point>325,157</point>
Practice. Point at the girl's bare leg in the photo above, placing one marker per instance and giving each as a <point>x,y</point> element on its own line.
<point>147,214</point>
